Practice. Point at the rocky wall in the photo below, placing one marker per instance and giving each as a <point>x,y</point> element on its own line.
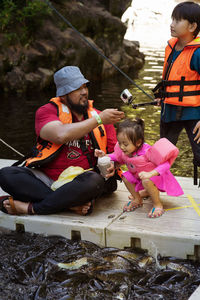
<point>23,68</point>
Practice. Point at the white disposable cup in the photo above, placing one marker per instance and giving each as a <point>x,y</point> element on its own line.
<point>103,164</point>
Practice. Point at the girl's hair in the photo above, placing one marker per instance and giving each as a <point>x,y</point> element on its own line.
<point>134,130</point>
<point>189,11</point>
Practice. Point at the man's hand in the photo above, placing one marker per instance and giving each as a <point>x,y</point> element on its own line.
<point>197,130</point>
<point>111,116</point>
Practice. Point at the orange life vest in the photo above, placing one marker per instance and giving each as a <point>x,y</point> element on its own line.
<point>45,151</point>
<point>180,85</point>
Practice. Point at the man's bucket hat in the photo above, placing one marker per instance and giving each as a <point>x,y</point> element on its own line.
<point>68,79</point>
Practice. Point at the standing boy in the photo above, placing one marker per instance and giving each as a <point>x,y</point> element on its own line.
<point>180,88</point>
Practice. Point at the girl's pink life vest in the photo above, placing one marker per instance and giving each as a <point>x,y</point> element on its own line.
<point>162,151</point>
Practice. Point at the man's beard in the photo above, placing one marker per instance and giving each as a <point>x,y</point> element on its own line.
<point>78,108</point>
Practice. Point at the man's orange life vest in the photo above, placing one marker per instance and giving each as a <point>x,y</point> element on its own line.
<point>180,85</point>
<point>45,151</point>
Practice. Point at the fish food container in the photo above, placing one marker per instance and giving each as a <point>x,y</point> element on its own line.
<point>103,164</point>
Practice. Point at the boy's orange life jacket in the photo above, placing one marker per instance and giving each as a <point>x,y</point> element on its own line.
<point>180,85</point>
<point>46,151</point>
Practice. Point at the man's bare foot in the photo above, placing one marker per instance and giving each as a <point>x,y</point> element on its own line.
<point>143,194</point>
<point>82,209</point>
<point>17,208</point>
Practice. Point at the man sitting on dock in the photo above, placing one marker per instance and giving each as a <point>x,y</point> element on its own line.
<point>68,130</point>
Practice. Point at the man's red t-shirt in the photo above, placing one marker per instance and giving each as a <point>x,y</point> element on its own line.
<point>71,154</point>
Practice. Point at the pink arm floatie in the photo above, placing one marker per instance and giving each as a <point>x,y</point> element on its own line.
<point>162,151</point>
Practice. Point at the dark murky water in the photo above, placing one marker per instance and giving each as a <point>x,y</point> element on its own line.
<point>17,115</point>
<point>50,268</point>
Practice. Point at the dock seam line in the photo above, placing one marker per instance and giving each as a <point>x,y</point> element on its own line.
<point>106,227</point>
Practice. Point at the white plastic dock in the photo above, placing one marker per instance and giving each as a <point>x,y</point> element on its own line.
<point>176,233</point>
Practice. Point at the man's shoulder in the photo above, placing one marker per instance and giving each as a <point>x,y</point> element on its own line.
<point>46,107</point>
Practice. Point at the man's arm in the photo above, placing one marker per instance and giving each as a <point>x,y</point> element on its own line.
<point>60,133</point>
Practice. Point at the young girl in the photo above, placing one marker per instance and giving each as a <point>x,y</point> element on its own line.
<point>148,172</point>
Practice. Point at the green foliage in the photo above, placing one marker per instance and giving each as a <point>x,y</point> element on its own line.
<point>21,18</point>
<point>8,9</point>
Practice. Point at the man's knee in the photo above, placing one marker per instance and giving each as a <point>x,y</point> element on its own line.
<point>9,174</point>
<point>91,180</point>
<point>5,177</point>
<point>4,172</point>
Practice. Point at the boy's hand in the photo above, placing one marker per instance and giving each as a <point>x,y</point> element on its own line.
<point>197,130</point>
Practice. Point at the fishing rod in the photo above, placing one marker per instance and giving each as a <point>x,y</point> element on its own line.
<point>101,54</point>
<point>127,98</point>
<point>11,147</point>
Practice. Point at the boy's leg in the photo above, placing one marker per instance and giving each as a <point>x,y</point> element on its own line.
<point>189,126</point>
<point>171,130</point>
